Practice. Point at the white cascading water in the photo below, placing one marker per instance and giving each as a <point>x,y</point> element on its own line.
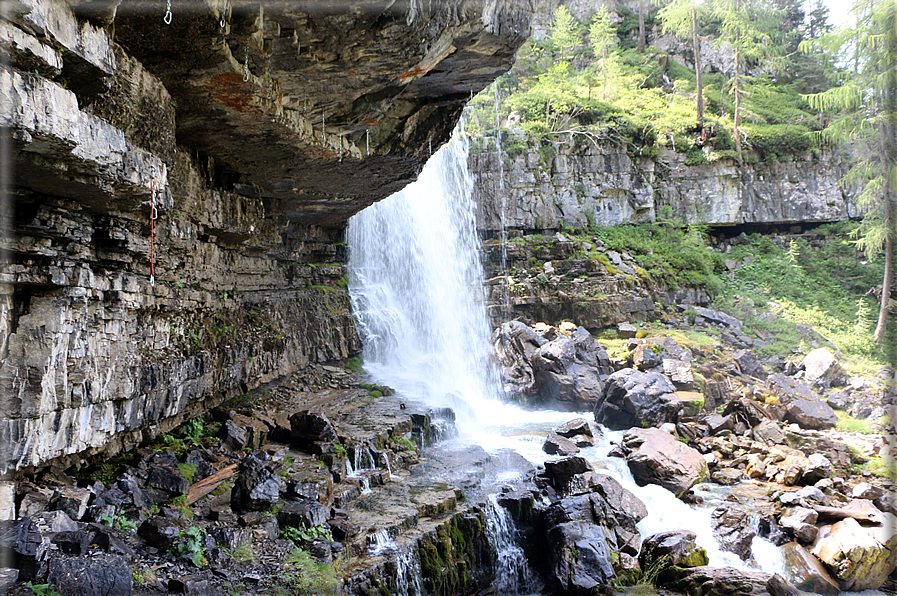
<point>416,283</point>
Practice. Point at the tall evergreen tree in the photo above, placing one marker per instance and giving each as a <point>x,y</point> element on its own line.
<point>563,31</point>
<point>865,116</point>
<point>682,18</point>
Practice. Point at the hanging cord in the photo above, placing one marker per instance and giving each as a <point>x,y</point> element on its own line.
<point>153,215</point>
<point>246,65</point>
<point>168,13</point>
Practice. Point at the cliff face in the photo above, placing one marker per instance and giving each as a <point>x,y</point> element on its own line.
<point>580,183</point>
<point>258,128</point>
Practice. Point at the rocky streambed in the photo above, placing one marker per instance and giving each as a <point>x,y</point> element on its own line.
<point>328,484</point>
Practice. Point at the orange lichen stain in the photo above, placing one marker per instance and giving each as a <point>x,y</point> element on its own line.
<point>413,72</point>
<point>370,121</point>
<point>230,89</point>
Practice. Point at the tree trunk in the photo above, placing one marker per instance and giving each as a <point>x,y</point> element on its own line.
<point>641,26</point>
<point>699,86</point>
<point>738,86</point>
<point>888,158</point>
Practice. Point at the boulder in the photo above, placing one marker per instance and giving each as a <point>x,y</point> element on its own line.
<point>864,490</point>
<point>515,344</point>
<point>618,511</point>
<point>727,476</point>
<point>800,523</point>
<point>769,432</point>
<point>579,558</point>
<point>721,581</point>
<point>679,372</point>
<point>802,405</point>
<point>858,558</point>
<point>732,528</point>
<point>817,468</point>
<point>838,400</point>
<point>91,576</point>
<point>806,572</point>
<point>656,457</point>
<point>779,586</point>
<point>22,545</point>
<point>158,532</point>
<point>570,370</point>
<point>73,501</point>
<point>310,427</point>
<point>646,356</point>
<point>678,546</point>
<point>716,423</point>
<point>820,367</point>
<point>626,330</point>
<point>561,472</point>
<point>303,514</point>
<point>719,318</point>
<point>747,362</point>
<point>578,426</point>
<point>558,445</point>
<point>631,397</point>
<point>257,487</point>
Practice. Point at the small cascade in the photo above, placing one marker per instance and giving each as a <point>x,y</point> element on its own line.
<point>380,542</point>
<point>365,485</point>
<point>408,573</point>
<point>362,460</point>
<point>512,571</point>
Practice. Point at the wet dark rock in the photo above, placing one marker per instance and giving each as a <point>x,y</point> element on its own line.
<point>303,514</point>
<point>101,575</point>
<point>767,528</point>
<point>802,404</point>
<point>343,529</point>
<point>720,581</point>
<point>569,370</point>
<point>255,431</point>
<point>73,501</point>
<point>309,427</point>
<point>35,502</point>
<point>582,441</point>
<point>72,543</point>
<point>558,445</point>
<point>777,586</point>
<point>158,532</point>
<point>578,426</point>
<point>800,523</point>
<point>732,528</point>
<point>230,538</point>
<point>631,397</point>
<point>167,477</point>
<point>235,436</point>
<point>806,572</point>
<point>580,560</point>
<point>678,546</point>
<point>22,544</point>
<point>110,540</point>
<point>656,457</point>
<point>561,472</point>
<point>257,487</point>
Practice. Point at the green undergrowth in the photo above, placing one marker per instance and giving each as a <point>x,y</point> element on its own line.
<point>669,253</point>
<point>824,287</point>
<point>301,575</point>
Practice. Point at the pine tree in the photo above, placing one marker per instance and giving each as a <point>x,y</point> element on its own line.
<point>603,38</point>
<point>682,18</point>
<point>865,116</point>
<point>563,31</point>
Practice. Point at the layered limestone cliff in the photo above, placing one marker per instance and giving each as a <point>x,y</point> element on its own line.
<point>257,129</point>
<point>576,182</point>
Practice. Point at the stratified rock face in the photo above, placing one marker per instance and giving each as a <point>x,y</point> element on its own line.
<point>257,129</point>
<point>583,184</point>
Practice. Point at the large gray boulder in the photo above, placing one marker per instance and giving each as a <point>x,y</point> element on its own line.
<point>579,558</point>
<point>732,528</point>
<point>657,457</point>
<point>515,344</point>
<point>858,557</point>
<point>806,572</point>
<point>570,370</point>
<point>802,405</point>
<point>631,397</point>
<point>821,367</point>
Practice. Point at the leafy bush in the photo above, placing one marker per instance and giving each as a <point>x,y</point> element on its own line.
<point>774,140</point>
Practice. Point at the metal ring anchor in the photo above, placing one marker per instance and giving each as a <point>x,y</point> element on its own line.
<point>167,18</point>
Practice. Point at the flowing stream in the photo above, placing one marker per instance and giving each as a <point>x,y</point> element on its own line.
<point>416,282</point>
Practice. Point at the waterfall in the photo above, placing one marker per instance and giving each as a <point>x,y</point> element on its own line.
<point>512,571</point>
<point>502,216</point>
<point>416,284</point>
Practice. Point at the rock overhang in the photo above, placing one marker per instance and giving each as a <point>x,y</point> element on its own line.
<point>325,107</point>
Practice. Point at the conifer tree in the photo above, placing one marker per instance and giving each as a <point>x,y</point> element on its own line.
<point>682,19</point>
<point>865,117</point>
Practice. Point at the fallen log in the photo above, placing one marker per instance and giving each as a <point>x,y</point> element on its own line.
<point>207,485</point>
<point>874,517</point>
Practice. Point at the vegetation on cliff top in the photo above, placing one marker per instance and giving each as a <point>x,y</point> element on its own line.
<point>589,78</point>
